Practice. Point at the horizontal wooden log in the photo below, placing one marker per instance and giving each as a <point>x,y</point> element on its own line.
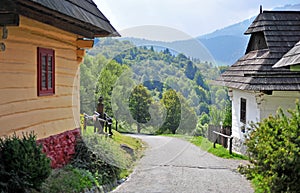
<point>218,133</point>
<point>47,129</point>
<point>35,118</point>
<point>80,53</point>
<point>36,103</point>
<point>48,31</point>
<point>81,43</point>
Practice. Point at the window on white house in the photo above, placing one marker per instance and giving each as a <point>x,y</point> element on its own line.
<point>243,110</point>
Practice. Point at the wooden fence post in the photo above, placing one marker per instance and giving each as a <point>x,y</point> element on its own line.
<point>230,145</point>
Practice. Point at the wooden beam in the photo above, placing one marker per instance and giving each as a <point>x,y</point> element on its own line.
<point>80,53</point>
<point>81,43</point>
<point>9,19</point>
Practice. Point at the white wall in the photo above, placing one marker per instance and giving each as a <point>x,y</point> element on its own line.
<point>252,111</point>
<point>283,99</point>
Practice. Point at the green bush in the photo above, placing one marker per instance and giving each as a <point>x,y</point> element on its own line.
<point>68,180</point>
<point>274,148</point>
<point>22,164</point>
<point>102,157</point>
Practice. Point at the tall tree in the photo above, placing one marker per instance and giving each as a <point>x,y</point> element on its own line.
<point>173,107</point>
<point>107,79</point>
<point>139,103</point>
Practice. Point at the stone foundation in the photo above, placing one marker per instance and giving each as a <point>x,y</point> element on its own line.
<point>60,148</point>
<point>238,146</point>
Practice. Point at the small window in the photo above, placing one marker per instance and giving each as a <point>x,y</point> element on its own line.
<point>46,72</point>
<point>243,111</point>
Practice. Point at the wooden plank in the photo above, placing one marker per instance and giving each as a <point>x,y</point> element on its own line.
<point>80,53</point>
<point>9,19</point>
<point>44,130</point>
<point>218,133</point>
<point>34,118</point>
<point>81,43</point>
<point>48,30</point>
<point>36,103</point>
<point>17,79</point>
<point>38,39</point>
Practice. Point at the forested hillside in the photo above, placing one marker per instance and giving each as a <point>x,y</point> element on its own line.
<point>158,91</point>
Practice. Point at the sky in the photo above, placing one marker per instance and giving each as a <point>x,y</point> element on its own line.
<point>191,17</point>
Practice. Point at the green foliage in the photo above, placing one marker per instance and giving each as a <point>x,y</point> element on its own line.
<point>89,73</point>
<point>274,146</point>
<point>173,107</point>
<point>228,115</point>
<point>102,157</point>
<point>216,115</point>
<point>22,164</point>
<point>139,103</point>
<point>115,67</point>
<point>69,180</point>
<point>106,81</point>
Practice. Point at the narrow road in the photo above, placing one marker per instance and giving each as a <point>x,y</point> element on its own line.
<point>174,165</point>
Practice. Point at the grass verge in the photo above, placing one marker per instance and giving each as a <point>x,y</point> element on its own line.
<point>206,145</point>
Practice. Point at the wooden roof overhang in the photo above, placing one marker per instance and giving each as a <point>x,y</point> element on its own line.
<point>254,71</point>
<point>81,17</point>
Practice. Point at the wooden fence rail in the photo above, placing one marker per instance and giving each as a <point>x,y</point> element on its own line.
<point>220,135</point>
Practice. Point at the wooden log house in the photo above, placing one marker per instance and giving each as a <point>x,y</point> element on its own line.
<point>42,43</point>
<point>257,85</point>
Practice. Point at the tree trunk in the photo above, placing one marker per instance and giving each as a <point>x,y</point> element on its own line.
<point>138,128</point>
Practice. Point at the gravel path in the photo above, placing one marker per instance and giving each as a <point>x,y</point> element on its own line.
<point>174,165</point>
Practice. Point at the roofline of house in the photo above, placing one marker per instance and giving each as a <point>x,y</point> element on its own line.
<point>54,18</point>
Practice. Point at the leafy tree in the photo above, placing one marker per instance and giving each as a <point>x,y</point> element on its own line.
<point>190,70</point>
<point>173,107</point>
<point>200,80</point>
<point>107,79</point>
<point>274,147</point>
<point>204,119</point>
<point>139,103</point>
<point>216,115</point>
<point>228,115</point>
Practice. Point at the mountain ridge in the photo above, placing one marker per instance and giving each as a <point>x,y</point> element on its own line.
<point>222,47</point>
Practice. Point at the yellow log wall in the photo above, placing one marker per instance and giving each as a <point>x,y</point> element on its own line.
<point>21,110</point>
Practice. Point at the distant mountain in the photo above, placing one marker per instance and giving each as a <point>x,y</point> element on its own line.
<point>228,44</point>
<point>237,29</point>
<point>224,46</point>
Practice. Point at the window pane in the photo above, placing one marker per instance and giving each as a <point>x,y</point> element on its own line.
<point>243,111</point>
<point>50,72</point>
<point>44,72</point>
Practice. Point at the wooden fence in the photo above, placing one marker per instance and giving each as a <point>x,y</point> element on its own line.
<point>220,139</point>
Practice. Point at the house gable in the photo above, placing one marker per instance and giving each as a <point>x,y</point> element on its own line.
<point>273,33</point>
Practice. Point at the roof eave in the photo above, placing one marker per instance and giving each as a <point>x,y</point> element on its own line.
<point>62,21</point>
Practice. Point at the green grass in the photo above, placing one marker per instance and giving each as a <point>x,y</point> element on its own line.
<point>206,145</point>
<point>133,143</point>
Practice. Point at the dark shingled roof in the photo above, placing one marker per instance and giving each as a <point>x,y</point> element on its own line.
<point>77,16</point>
<point>290,58</point>
<point>281,31</point>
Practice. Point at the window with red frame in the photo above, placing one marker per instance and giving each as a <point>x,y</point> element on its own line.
<point>46,71</point>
